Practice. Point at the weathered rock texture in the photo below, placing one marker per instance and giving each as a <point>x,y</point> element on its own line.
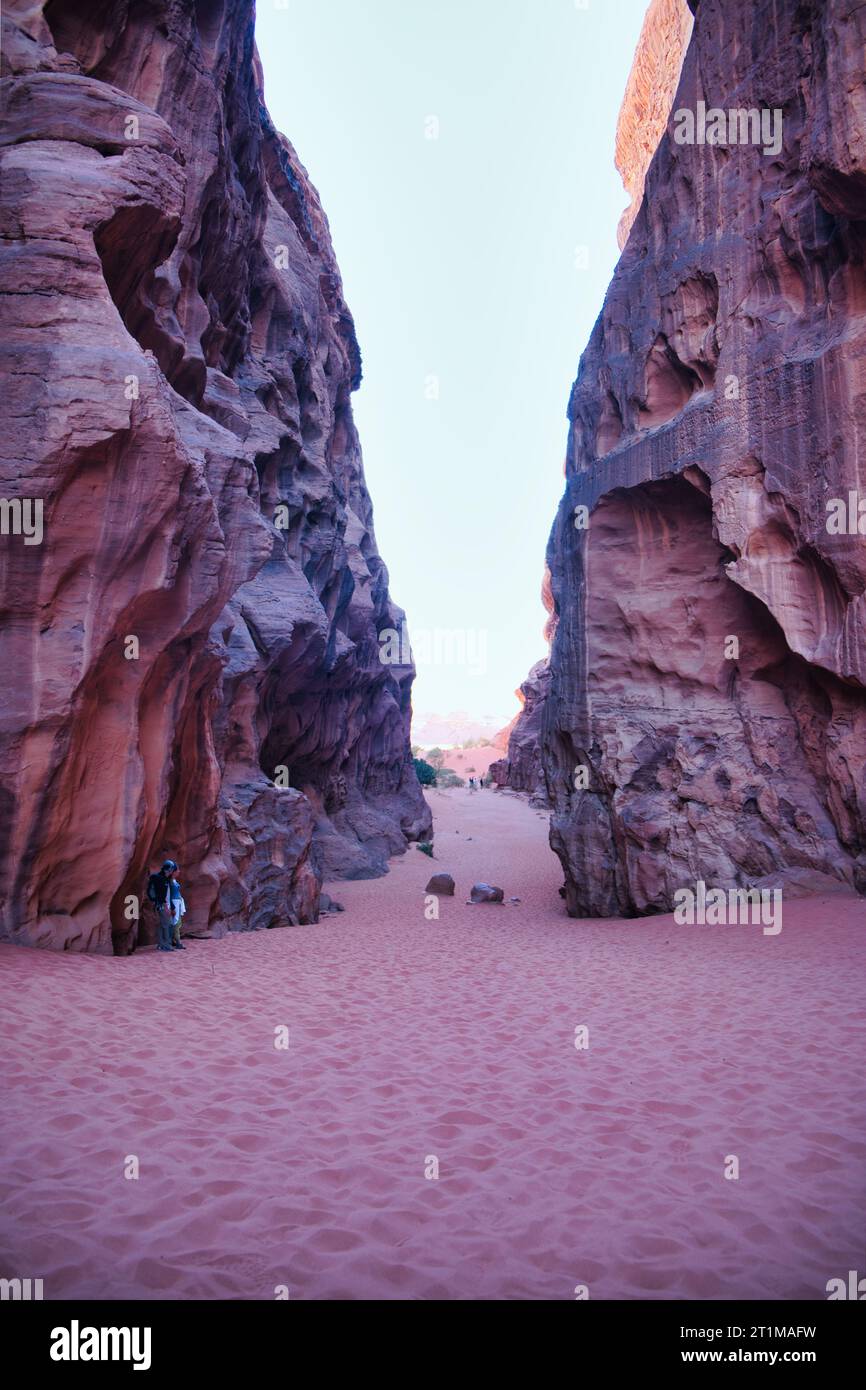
<point>486,893</point>
<point>719,407</point>
<point>522,768</point>
<point>179,363</point>
<point>652,82</point>
<point>441,883</point>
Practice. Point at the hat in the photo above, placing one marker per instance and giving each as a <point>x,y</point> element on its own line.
<point>169,864</point>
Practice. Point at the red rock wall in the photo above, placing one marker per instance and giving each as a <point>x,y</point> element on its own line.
<point>652,83</point>
<point>179,364</point>
<point>521,769</point>
<point>719,406</point>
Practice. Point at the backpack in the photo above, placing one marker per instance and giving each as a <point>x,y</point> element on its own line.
<point>152,886</point>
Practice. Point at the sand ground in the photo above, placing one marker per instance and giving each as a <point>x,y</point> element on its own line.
<point>412,1039</point>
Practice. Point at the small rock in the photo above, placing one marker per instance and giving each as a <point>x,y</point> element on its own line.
<point>337,907</point>
<point>324,902</point>
<point>442,884</point>
<point>486,893</point>
<point>514,900</point>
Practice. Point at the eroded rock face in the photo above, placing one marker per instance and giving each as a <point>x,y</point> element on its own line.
<point>646,106</point>
<point>200,622</point>
<point>709,662</point>
<point>521,769</point>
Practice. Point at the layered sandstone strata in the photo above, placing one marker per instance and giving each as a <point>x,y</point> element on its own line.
<point>190,658</point>
<point>709,662</point>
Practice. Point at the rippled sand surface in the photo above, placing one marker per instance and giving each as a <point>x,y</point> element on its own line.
<point>417,1043</point>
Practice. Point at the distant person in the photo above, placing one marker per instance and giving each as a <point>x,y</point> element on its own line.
<point>178,909</point>
<point>164,892</point>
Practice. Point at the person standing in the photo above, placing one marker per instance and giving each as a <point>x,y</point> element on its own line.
<point>178,908</point>
<point>159,893</point>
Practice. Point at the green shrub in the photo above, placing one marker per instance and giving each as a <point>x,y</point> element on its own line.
<point>426,848</point>
<point>425,772</point>
<point>447,777</point>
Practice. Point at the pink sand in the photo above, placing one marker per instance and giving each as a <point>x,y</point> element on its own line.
<point>471,762</point>
<point>454,1038</point>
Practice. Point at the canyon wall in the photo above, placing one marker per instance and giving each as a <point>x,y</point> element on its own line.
<point>521,769</point>
<point>708,666</point>
<point>652,83</point>
<point>190,657</point>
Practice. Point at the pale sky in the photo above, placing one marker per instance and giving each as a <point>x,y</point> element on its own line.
<point>459,262</point>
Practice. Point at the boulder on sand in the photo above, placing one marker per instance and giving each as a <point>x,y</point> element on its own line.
<point>442,884</point>
<point>486,893</point>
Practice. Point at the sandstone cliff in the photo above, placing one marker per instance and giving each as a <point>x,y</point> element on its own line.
<point>521,769</point>
<point>200,622</point>
<point>709,662</point>
<point>650,89</point>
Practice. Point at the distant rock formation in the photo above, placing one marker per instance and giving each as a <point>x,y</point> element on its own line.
<point>708,668</point>
<point>646,106</point>
<point>190,658</point>
<point>521,769</point>
<point>455,729</point>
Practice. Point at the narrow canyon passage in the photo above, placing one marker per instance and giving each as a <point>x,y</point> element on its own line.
<point>432,453</point>
<point>411,1039</point>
